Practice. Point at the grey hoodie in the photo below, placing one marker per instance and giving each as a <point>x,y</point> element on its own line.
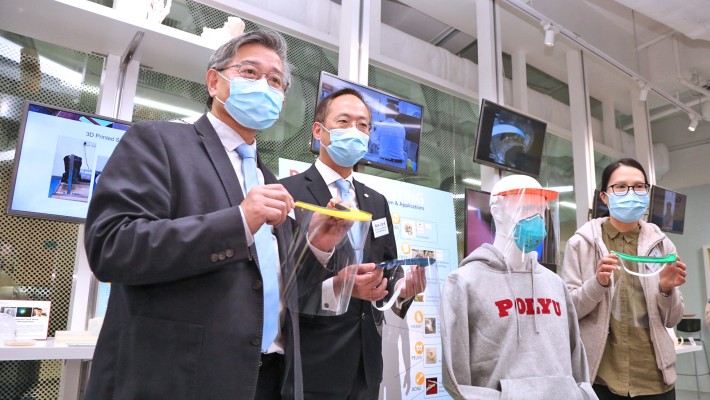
<point>510,334</point>
<point>592,301</point>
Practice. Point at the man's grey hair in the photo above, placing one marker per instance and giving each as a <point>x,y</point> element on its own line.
<point>267,38</point>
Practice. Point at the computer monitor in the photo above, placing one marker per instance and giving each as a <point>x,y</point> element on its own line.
<point>60,156</point>
<point>667,209</point>
<point>509,140</point>
<point>599,209</point>
<point>397,126</point>
<point>478,220</point>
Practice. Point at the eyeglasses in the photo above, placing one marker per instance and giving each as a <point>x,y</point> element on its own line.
<point>363,125</point>
<point>252,72</point>
<point>621,189</point>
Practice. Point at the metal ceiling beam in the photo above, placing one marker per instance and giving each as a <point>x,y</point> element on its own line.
<point>576,39</point>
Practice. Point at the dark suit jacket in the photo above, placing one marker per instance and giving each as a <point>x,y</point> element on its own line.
<point>184,318</point>
<point>332,346</point>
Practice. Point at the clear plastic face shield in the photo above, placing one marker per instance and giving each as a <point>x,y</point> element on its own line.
<point>527,224</point>
<point>326,250</point>
<point>413,279</point>
<point>628,301</point>
<point>414,338</point>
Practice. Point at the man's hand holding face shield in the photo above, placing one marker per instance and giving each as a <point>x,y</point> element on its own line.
<point>325,232</point>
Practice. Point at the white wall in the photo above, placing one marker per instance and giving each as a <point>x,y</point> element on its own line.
<point>690,244</point>
<point>689,168</point>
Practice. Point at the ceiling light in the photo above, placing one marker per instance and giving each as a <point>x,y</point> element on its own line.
<point>561,189</point>
<point>693,123</point>
<point>643,94</point>
<point>567,204</point>
<point>472,181</point>
<point>166,107</point>
<point>549,34</point>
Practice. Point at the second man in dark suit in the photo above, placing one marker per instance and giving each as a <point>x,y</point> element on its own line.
<point>342,355</point>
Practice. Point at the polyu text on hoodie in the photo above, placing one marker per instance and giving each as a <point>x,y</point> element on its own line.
<point>527,306</point>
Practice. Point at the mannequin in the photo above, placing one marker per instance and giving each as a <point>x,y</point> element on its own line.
<point>503,312</point>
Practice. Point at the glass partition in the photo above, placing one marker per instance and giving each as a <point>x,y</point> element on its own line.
<point>37,256</point>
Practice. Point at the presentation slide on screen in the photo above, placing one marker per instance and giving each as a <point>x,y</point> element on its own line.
<point>49,145</point>
<point>424,226</point>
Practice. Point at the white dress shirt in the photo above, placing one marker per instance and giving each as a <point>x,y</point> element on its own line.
<point>230,140</point>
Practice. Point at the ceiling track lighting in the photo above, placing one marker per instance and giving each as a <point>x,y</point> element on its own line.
<point>549,34</point>
<point>643,93</point>
<point>693,122</point>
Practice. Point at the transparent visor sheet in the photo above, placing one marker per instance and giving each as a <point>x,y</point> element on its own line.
<point>528,220</point>
<point>325,253</point>
<point>414,281</point>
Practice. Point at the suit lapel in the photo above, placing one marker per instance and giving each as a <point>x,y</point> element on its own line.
<point>316,185</point>
<point>218,156</point>
<point>365,203</point>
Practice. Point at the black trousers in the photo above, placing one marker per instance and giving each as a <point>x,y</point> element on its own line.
<point>604,393</point>
<point>359,390</point>
<point>270,377</point>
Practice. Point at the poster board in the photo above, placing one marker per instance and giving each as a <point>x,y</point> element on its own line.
<point>32,317</point>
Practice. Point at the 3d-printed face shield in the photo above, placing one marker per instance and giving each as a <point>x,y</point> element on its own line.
<point>526,215</point>
<point>628,301</point>
<point>414,279</point>
<point>507,142</point>
<point>326,250</point>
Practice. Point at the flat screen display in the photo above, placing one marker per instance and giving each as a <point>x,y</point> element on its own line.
<point>599,209</point>
<point>59,158</point>
<point>667,209</point>
<point>509,140</point>
<point>397,126</point>
<point>479,221</point>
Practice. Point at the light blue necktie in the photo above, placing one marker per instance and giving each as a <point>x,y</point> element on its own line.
<point>266,256</point>
<point>344,189</point>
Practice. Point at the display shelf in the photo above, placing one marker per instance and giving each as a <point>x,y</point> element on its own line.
<point>93,28</point>
<point>688,348</point>
<point>46,350</point>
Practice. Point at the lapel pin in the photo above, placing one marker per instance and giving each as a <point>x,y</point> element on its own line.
<point>366,195</point>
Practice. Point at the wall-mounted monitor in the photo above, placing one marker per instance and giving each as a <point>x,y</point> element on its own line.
<point>59,158</point>
<point>599,209</point>
<point>478,220</point>
<point>509,140</point>
<point>667,209</point>
<point>397,126</point>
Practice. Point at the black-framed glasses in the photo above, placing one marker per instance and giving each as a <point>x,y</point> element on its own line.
<point>249,71</point>
<point>620,189</point>
<point>363,125</point>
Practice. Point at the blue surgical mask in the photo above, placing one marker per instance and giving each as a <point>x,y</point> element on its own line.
<point>628,208</point>
<point>252,103</point>
<point>529,233</point>
<point>347,146</point>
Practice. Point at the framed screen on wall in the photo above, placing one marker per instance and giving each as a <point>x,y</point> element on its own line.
<point>479,221</point>
<point>397,126</point>
<point>599,209</point>
<point>667,209</point>
<point>509,140</point>
<point>59,158</point>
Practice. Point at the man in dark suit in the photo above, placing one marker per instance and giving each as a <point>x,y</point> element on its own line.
<point>342,355</point>
<point>176,226</point>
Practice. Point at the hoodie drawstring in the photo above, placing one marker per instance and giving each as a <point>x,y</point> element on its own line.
<point>532,277</point>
